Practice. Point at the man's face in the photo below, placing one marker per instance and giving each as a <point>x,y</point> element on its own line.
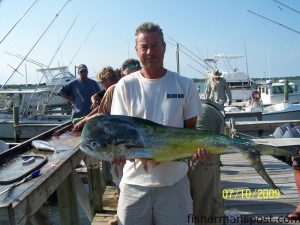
<point>83,74</point>
<point>150,49</point>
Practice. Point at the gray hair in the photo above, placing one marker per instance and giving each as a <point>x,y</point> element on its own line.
<point>149,27</point>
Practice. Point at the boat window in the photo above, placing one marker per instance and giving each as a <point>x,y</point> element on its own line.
<point>278,90</point>
<point>290,89</point>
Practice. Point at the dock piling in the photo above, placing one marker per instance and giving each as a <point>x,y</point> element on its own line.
<point>286,91</point>
<point>16,123</point>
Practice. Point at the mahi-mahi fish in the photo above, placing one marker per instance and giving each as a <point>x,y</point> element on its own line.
<point>108,136</point>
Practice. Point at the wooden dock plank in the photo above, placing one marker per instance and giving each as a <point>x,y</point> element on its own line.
<point>110,207</point>
<point>236,173</point>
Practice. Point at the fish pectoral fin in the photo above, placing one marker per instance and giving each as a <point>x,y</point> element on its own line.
<point>255,161</point>
<point>133,145</point>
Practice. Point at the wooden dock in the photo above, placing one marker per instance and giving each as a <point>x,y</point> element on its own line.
<point>109,206</point>
<point>238,175</point>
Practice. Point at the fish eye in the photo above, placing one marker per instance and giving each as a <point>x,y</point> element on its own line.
<point>93,143</point>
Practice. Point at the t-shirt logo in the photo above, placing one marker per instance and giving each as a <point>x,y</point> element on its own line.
<point>175,95</point>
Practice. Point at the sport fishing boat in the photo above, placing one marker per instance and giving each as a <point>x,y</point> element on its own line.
<point>40,106</point>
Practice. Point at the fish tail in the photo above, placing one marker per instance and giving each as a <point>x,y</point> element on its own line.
<point>270,150</point>
<point>255,161</point>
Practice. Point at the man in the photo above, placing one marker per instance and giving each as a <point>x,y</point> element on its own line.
<point>217,89</point>
<point>108,77</point>
<point>151,192</point>
<point>78,92</point>
<point>204,176</point>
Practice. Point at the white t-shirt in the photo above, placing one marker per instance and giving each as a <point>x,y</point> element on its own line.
<point>168,100</point>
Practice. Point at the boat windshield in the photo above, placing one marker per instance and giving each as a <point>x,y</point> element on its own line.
<point>280,89</point>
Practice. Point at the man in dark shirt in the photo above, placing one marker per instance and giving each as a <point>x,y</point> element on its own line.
<point>78,92</point>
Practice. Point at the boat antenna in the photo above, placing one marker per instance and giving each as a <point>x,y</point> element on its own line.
<point>287,6</point>
<point>63,40</point>
<point>21,17</point>
<point>85,39</point>
<point>177,57</point>
<point>56,15</point>
<point>286,27</point>
<point>246,58</point>
<point>185,53</point>
<point>191,52</point>
<point>28,59</point>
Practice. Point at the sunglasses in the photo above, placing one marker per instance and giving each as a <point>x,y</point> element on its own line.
<point>131,66</point>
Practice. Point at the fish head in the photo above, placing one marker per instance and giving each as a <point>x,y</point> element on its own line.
<point>106,137</point>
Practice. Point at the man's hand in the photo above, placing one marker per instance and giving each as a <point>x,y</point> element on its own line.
<point>78,126</point>
<point>95,101</point>
<point>201,154</point>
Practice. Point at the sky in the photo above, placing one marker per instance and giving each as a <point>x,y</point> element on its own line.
<point>205,27</point>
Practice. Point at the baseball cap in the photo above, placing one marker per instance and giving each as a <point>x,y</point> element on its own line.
<point>131,64</point>
<point>82,67</point>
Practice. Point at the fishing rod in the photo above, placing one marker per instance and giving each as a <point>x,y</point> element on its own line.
<point>286,27</point>
<point>18,19</point>
<point>15,69</point>
<point>63,40</point>
<point>87,36</point>
<point>56,15</point>
<point>192,53</point>
<point>287,6</point>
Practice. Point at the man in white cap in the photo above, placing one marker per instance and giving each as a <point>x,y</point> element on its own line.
<point>79,92</point>
<point>217,89</point>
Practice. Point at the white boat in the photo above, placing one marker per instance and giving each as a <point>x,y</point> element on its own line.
<point>42,94</point>
<point>273,93</point>
<point>31,126</point>
<point>35,104</point>
<point>281,111</point>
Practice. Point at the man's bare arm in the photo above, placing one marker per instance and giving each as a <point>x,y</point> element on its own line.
<point>190,123</point>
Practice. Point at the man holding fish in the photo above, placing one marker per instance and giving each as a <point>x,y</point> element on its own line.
<point>152,192</point>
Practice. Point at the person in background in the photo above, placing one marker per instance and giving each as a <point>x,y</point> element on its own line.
<point>217,89</point>
<point>79,92</point>
<point>254,103</point>
<point>107,77</point>
<point>204,175</point>
<point>154,193</point>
